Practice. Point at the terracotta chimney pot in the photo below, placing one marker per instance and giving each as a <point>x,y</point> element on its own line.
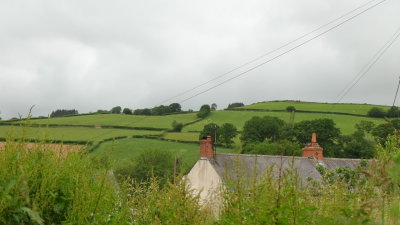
<point>206,148</point>
<point>313,149</point>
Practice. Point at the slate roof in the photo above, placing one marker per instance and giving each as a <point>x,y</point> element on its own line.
<point>255,166</point>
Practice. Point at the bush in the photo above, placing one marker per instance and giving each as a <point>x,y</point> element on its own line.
<point>227,132</point>
<point>63,112</point>
<point>204,111</point>
<point>147,165</point>
<point>116,110</point>
<point>393,112</point>
<point>127,111</point>
<point>290,108</point>
<point>177,127</point>
<point>234,105</point>
<point>376,112</point>
<point>212,130</point>
<point>40,187</point>
<point>257,129</point>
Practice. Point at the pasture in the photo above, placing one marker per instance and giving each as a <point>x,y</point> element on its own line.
<point>124,150</point>
<point>68,133</point>
<point>359,109</point>
<point>344,122</point>
<point>161,122</point>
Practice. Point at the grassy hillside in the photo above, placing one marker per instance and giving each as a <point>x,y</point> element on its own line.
<point>238,118</point>
<point>360,109</point>
<point>124,150</point>
<point>163,122</point>
<point>70,133</point>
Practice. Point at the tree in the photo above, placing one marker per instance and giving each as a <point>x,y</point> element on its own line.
<point>63,112</point>
<point>204,111</point>
<point>234,105</point>
<point>382,131</point>
<point>148,164</point>
<point>227,132</point>
<point>116,110</point>
<point>365,126</point>
<point>212,130</point>
<point>175,107</point>
<point>356,146</point>
<point>142,112</point>
<point>127,111</point>
<point>257,129</point>
<point>177,127</point>
<point>290,108</point>
<point>376,112</point>
<point>213,107</point>
<point>282,147</point>
<point>160,110</point>
<point>100,111</point>
<point>393,112</point>
<point>326,130</point>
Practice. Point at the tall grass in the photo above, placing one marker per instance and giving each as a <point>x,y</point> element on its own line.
<point>37,186</point>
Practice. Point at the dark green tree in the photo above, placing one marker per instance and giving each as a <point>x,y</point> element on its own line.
<point>282,147</point>
<point>326,130</point>
<point>142,112</point>
<point>376,112</point>
<point>175,107</point>
<point>393,112</point>
<point>227,132</point>
<point>148,164</point>
<point>204,111</point>
<point>257,129</point>
<point>213,107</point>
<point>356,146</point>
<point>290,108</point>
<point>127,111</point>
<point>382,131</point>
<point>116,110</point>
<point>365,126</point>
<point>177,127</point>
<point>212,130</point>
<point>234,105</point>
<point>160,110</point>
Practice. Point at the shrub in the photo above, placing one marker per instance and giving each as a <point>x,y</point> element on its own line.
<point>204,111</point>
<point>376,112</point>
<point>393,112</point>
<point>177,127</point>
<point>63,112</point>
<point>127,111</point>
<point>234,105</point>
<point>290,108</point>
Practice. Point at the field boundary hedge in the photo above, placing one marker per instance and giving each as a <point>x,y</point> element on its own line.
<point>300,111</point>
<point>86,126</point>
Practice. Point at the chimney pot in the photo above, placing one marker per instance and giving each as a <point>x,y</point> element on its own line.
<point>313,149</point>
<point>206,148</point>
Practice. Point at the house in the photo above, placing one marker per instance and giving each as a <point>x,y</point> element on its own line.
<point>211,171</point>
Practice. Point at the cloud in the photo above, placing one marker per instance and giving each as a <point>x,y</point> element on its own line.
<point>91,55</point>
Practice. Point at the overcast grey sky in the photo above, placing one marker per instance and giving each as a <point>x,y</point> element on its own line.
<point>94,54</point>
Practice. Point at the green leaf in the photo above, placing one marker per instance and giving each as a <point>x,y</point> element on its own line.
<point>33,215</point>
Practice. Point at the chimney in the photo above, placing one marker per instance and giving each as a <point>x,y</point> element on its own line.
<point>313,149</point>
<point>206,148</point>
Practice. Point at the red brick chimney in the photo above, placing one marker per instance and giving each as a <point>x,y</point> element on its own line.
<point>313,149</point>
<point>206,148</point>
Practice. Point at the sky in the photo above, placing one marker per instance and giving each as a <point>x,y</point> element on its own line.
<point>96,54</point>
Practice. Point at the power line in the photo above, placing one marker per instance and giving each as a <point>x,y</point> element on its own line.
<point>284,53</point>
<point>261,64</point>
<point>372,62</point>
<point>268,53</point>
<point>397,91</point>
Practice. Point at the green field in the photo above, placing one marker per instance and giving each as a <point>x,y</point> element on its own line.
<point>360,109</point>
<point>238,118</point>
<point>163,122</point>
<point>124,150</point>
<point>69,133</point>
<point>182,136</point>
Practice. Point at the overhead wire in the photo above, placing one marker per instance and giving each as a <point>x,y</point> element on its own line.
<point>284,53</point>
<point>367,67</point>
<point>269,60</point>
<point>268,53</point>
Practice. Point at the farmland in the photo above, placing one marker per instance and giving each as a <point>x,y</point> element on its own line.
<point>359,109</point>
<point>82,128</point>
<point>238,118</point>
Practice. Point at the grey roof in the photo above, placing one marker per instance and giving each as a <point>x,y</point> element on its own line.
<point>255,166</point>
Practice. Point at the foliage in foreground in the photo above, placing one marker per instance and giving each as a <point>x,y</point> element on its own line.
<point>39,187</point>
